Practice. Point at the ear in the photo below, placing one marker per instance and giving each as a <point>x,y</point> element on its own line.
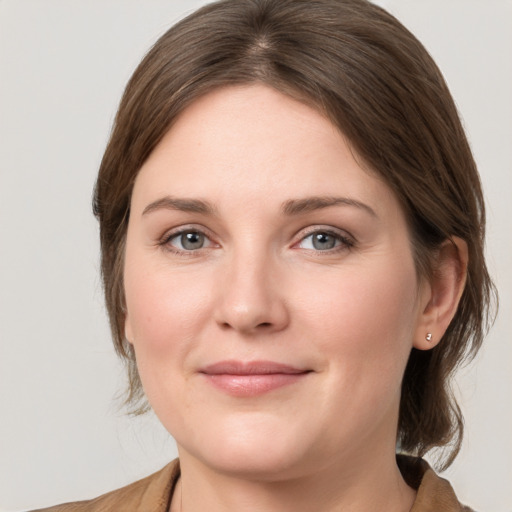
<point>440,296</point>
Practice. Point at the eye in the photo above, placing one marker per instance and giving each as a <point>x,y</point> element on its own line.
<point>189,240</point>
<point>324,241</point>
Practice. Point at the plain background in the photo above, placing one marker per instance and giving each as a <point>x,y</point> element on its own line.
<point>63,66</point>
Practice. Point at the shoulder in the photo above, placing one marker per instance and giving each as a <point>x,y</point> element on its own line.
<point>151,493</point>
<point>433,492</point>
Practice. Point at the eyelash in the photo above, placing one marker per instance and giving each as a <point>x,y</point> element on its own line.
<point>344,242</point>
<point>166,239</point>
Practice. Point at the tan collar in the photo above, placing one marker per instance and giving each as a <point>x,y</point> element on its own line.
<point>435,494</point>
<point>154,492</point>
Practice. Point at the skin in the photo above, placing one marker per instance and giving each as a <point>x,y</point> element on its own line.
<point>260,288</point>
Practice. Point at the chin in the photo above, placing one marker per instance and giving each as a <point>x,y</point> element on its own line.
<point>256,465</point>
<point>259,451</point>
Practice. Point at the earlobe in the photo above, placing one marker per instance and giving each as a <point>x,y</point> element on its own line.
<point>441,300</point>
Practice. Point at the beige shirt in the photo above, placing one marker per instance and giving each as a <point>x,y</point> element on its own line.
<point>153,493</point>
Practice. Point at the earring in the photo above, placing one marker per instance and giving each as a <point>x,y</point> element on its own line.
<point>428,337</point>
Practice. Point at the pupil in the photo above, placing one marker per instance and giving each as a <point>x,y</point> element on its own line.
<point>323,241</point>
<point>192,240</point>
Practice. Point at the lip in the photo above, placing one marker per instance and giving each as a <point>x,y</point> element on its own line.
<point>246,379</point>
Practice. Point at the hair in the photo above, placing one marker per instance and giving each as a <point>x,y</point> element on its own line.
<point>375,81</point>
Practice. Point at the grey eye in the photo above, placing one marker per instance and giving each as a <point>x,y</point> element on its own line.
<point>187,241</point>
<point>323,241</point>
<point>191,240</point>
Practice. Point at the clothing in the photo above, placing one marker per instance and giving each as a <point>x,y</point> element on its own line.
<point>153,493</point>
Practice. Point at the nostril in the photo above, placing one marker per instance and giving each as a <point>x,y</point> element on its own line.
<point>262,325</point>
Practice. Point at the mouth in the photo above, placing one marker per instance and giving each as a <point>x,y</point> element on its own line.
<point>246,379</point>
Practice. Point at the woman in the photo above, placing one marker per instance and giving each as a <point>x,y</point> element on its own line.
<point>292,251</point>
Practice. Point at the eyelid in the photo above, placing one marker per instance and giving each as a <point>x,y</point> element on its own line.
<point>168,235</point>
<point>347,240</point>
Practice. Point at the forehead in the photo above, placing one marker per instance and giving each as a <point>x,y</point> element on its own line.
<point>255,143</point>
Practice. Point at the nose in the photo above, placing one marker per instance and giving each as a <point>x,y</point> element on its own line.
<point>251,298</point>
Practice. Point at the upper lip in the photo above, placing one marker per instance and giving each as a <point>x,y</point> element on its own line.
<point>232,367</point>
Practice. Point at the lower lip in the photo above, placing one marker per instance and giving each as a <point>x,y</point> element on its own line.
<point>253,385</point>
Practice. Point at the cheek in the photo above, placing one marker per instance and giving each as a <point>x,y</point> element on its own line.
<point>367,315</point>
<point>164,308</point>
<point>165,314</point>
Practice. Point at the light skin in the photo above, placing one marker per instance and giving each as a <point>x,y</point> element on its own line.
<point>255,235</point>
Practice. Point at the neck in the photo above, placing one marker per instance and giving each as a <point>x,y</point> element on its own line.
<point>358,486</point>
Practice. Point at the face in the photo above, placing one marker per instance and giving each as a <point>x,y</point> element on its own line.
<point>271,292</point>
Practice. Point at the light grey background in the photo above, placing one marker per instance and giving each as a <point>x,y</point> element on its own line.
<point>63,65</point>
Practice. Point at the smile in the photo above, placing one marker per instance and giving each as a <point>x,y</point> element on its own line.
<point>254,378</point>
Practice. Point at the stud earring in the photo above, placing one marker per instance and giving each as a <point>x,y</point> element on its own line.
<point>428,337</point>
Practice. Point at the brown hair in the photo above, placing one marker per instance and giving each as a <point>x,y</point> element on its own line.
<point>375,81</point>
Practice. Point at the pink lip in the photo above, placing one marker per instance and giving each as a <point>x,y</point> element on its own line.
<point>252,378</point>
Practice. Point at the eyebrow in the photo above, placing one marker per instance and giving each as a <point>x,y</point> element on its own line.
<point>290,208</point>
<point>308,204</point>
<point>184,205</point>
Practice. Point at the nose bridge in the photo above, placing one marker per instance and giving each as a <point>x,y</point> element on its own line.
<point>250,299</point>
